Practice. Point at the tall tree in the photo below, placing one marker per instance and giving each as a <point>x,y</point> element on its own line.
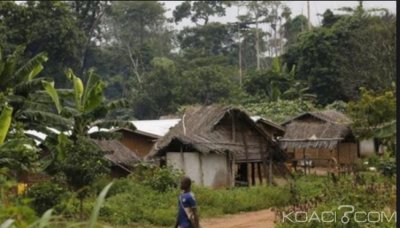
<point>336,58</point>
<point>89,16</point>
<point>200,10</point>
<point>49,27</point>
<point>139,32</point>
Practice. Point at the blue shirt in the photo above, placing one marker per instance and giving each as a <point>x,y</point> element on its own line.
<point>187,201</point>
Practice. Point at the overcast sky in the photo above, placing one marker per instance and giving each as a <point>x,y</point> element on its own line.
<point>297,7</point>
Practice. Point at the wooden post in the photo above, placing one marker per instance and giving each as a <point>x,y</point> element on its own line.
<point>249,180</point>
<point>263,155</point>
<point>253,173</point>
<point>259,172</point>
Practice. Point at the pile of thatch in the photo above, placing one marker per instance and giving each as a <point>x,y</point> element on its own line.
<point>196,131</point>
<point>117,153</point>
<point>316,130</point>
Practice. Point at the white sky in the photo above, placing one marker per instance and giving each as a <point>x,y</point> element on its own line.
<point>297,7</point>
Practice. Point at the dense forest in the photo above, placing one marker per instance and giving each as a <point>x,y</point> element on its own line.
<point>268,56</point>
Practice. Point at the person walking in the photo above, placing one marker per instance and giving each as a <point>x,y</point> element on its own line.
<point>187,207</point>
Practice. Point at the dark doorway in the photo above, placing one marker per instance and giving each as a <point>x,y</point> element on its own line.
<point>241,175</point>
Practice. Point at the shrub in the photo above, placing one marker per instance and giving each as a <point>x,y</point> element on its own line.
<point>388,168</point>
<point>46,195</point>
<point>159,178</point>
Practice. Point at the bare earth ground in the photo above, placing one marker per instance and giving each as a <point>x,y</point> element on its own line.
<point>256,219</point>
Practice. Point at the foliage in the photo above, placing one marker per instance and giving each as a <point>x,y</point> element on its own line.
<point>369,192</point>
<point>211,39</point>
<point>336,58</point>
<point>277,82</point>
<point>26,23</point>
<point>80,162</point>
<point>293,27</point>
<point>386,164</point>
<point>374,113</point>
<point>207,85</point>
<point>45,195</point>
<point>199,10</point>
<point>13,208</point>
<point>163,79</point>
<point>159,179</point>
<point>50,220</point>
<point>153,207</point>
<point>5,122</point>
<point>279,110</point>
<point>19,154</point>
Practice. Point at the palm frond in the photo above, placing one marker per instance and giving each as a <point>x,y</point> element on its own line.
<point>93,79</point>
<point>26,87</point>
<point>32,68</point>
<point>9,67</point>
<point>43,117</point>
<point>49,87</point>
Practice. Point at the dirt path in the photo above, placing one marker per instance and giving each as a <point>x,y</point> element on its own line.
<point>257,219</point>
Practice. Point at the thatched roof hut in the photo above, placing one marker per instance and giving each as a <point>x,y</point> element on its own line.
<point>197,130</point>
<point>220,146</point>
<point>317,130</point>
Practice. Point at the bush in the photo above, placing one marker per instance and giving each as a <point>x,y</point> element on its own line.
<point>12,206</point>
<point>388,167</point>
<point>46,195</point>
<point>159,178</point>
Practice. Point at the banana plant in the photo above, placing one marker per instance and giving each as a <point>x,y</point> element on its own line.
<point>15,153</point>
<point>5,122</point>
<point>21,88</point>
<point>87,108</point>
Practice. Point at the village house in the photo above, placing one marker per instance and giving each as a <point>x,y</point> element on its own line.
<point>121,158</point>
<point>147,132</point>
<point>320,137</point>
<point>217,146</point>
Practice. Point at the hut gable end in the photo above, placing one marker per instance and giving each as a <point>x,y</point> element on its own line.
<point>209,129</point>
<point>316,130</point>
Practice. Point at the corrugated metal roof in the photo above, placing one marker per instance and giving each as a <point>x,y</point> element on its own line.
<point>155,127</point>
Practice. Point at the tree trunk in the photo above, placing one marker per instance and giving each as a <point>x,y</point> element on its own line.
<point>240,52</point>
<point>257,46</point>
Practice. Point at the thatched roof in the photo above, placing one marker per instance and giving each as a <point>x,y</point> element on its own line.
<point>268,124</point>
<point>196,131</point>
<point>316,130</point>
<point>117,153</point>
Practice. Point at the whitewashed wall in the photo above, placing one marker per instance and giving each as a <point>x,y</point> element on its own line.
<point>367,148</point>
<point>204,169</point>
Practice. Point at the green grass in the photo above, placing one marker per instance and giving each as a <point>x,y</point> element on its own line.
<point>142,204</point>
